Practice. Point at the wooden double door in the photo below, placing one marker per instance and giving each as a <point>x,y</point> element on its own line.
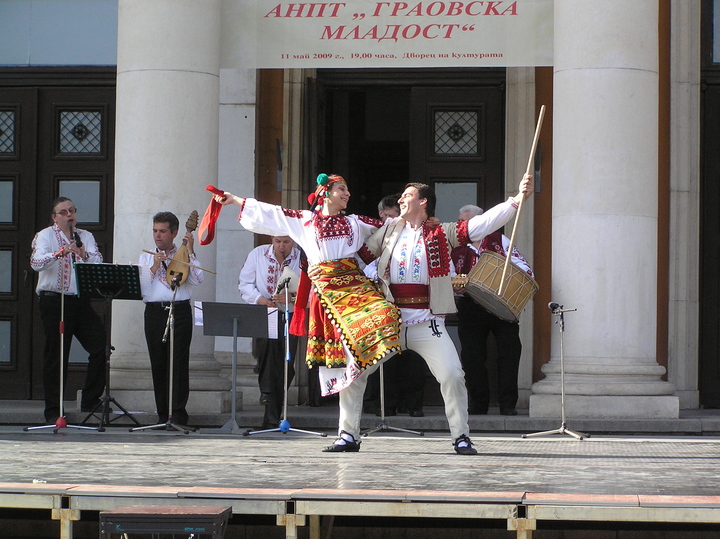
<point>384,128</point>
<point>56,139</point>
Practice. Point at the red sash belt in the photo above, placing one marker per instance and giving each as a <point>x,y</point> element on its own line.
<point>411,296</point>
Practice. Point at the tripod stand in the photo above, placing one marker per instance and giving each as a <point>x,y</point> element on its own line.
<point>383,426</point>
<point>284,425</point>
<point>60,422</point>
<point>558,310</point>
<point>108,281</point>
<point>170,330</point>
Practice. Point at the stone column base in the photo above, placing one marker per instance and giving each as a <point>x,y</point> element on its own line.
<point>199,402</point>
<point>606,407</point>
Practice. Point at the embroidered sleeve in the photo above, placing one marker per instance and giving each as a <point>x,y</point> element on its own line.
<point>377,223</point>
<point>461,229</point>
<point>365,254</point>
<point>42,252</point>
<point>294,214</point>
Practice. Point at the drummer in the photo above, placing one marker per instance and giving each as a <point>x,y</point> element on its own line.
<point>476,323</point>
<point>414,269</point>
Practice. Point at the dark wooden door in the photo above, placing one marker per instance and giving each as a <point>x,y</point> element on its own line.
<point>457,145</point>
<point>57,139</point>
<point>18,172</point>
<point>709,367</point>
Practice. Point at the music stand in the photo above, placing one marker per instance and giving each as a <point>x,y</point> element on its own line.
<point>234,320</point>
<point>108,282</point>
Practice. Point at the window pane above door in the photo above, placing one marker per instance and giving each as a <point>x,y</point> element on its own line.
<point>6,201</point>
<point>451,196</point>
<point>80,132</point>
<point>7,132</point>
<point>86,196</point>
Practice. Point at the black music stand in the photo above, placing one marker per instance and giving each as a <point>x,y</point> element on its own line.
<point>234,320</point>
<point>108,282</point>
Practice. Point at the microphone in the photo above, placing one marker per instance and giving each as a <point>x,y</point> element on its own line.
<point>282,284</point>
<point>553,306</point>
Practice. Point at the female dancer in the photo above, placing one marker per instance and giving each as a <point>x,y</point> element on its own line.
<point>352,328</point>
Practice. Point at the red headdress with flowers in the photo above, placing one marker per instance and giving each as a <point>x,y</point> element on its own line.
<point>324,182</point>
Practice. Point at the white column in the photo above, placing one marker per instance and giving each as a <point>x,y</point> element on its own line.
<point>605,213</point>
<point>684,309</point>
<point>520,124</point>
<point>166,153</point>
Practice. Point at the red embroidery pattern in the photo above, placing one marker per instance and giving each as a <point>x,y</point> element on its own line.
<point>295,214</point>
<point>462,232</point>
<point>493,242</point>
<point>377,223</point>
<point>437,250</point>
<point>334,226</point>
<point>365,254</point>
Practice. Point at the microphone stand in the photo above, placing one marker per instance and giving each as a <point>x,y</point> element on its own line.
<point>383,426</point>
<point>61,422</point>
<point>170,329</point>
<point>284,425</point>
<point>559,310</point>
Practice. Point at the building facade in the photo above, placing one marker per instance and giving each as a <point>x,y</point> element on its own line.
<point>622,226</point>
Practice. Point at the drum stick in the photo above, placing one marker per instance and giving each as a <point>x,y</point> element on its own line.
<point>182,262</point>
<point>531,160</point>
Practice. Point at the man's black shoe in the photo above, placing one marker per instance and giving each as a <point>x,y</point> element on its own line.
<point>264,399</point>
<point>416,413</point>
<point>345,443</point>
<point>463,446</point>
<point>508,411</point>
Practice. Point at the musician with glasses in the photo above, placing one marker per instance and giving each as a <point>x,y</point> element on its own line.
<point>54,250</point>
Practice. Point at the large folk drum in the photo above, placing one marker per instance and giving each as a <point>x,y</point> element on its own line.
<point>484,282</point>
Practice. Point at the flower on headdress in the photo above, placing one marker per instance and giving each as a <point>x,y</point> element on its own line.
<point>321,191</point>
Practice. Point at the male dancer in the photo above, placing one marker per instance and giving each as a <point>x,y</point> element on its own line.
<point>414,270</point>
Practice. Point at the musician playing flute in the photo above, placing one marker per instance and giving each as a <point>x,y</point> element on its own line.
<point>157,294</point>
<point>54,250</point>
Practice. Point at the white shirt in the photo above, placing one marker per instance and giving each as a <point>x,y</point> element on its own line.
<point>55,272</point>
<point>261,271</point>
<point>408,265</point>
<point>156,288</point>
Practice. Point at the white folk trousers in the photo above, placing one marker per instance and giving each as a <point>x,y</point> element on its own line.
<point>432,342</point>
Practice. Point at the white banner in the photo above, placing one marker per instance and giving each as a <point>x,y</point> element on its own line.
<point>369,33</point>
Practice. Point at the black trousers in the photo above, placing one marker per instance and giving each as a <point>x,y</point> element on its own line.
<point>271,375</point>
<point>474,327</point>
<point>81,321</point>
<point>156,317</point>
<point>404,377</point>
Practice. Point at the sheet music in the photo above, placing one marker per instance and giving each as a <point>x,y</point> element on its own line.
<point>198,313</point>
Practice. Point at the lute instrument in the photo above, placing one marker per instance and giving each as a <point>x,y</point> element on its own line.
<point>179,265</point>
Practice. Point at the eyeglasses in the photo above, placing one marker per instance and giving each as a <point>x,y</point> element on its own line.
<point>65,213</point>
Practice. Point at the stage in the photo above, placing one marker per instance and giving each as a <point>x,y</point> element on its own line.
<point>517,484</point>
